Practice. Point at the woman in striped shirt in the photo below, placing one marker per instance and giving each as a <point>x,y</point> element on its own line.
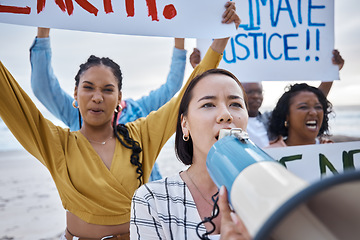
<point>175,207</point>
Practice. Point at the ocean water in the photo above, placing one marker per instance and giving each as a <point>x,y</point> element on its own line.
<point>346,121</point>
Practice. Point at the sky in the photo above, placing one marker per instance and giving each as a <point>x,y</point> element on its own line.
<point>145,61</point>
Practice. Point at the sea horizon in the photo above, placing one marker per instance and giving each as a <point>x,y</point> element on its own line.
<point>344,121</point>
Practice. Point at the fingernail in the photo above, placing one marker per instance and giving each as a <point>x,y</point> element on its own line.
<point>234,217</point>
<point>222,190</point>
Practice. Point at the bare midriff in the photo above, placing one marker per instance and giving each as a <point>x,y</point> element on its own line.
<point>79,228</point>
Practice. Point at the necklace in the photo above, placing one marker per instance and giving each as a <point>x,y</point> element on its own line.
<point>102,143</point>
<point>187,174</point>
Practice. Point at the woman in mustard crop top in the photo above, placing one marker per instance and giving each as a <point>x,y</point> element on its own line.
<point>97,169</point>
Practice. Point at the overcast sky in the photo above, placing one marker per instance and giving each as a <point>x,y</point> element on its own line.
<point>145,61</point>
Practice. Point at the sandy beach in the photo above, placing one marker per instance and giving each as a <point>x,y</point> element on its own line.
<point>30,207</point>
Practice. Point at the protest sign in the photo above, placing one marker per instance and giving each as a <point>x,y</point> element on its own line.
<point>312,162</point>
<point>281,40</point>
<point>175,18</point>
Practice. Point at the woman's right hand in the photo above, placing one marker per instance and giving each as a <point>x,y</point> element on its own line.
<point>230,15</point>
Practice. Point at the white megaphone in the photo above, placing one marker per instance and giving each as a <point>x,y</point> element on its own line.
<point>274,203</point>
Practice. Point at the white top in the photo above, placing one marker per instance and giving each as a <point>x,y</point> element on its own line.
<point>257,132</point>
<point>165,209</point>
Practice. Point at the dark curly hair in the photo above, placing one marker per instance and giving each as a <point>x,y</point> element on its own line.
<point>184,150</point>
<point>119,129</point>
<point>281,111</point>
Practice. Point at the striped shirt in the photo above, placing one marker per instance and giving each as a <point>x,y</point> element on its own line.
<point>165,209</point>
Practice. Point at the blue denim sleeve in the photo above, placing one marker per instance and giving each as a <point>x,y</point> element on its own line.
<point>156,98</point>
<point>46,87</point>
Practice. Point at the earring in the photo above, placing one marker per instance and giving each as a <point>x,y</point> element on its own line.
<point>118,108</point>
<point>286,124</point>
<point>185,138</point>
<point>74,104</point>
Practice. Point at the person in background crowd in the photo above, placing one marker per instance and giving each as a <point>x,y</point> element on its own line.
<point>46,88</point>
<point>300,117</point>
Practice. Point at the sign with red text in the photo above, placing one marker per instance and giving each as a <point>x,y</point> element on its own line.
<point>175,18</point>
<point>312,162</point>
<point>281,40</point>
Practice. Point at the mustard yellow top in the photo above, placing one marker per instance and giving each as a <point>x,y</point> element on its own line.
<point>87,188</point>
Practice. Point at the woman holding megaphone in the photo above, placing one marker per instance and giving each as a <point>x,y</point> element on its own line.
<point>185,206</point>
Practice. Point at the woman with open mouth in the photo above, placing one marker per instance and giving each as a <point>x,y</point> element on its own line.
<point>300,117</point>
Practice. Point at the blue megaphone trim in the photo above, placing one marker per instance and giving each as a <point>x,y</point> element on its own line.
<point>229,156</point>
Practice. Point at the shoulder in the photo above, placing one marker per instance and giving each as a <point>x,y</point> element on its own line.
<point>161,194</point>
<point>279,142</point>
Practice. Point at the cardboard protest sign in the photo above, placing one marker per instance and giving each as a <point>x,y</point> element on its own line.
<point>175,18</point>
<point>281,40</point>
<point>312,162</point>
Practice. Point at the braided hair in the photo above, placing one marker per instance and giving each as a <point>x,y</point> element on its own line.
<point>131,144</point>
<point>119,129</point>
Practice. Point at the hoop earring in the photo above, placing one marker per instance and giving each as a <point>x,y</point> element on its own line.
<point>286,124</point>
<point>185,138</point>
<point>74,104</point>
<point>118,109</point>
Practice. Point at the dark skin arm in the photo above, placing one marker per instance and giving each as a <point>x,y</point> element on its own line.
<point>336,60</point>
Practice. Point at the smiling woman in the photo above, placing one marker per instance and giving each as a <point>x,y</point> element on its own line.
<point>300,117</point>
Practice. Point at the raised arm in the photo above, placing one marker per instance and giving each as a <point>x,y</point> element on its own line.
<point>37,135</point>
<point>229,16</point>
<point>336,60</point>
<point>156,98</point>
<point>160,125</point>
<point>46,86</point>
<point>218,45</point>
